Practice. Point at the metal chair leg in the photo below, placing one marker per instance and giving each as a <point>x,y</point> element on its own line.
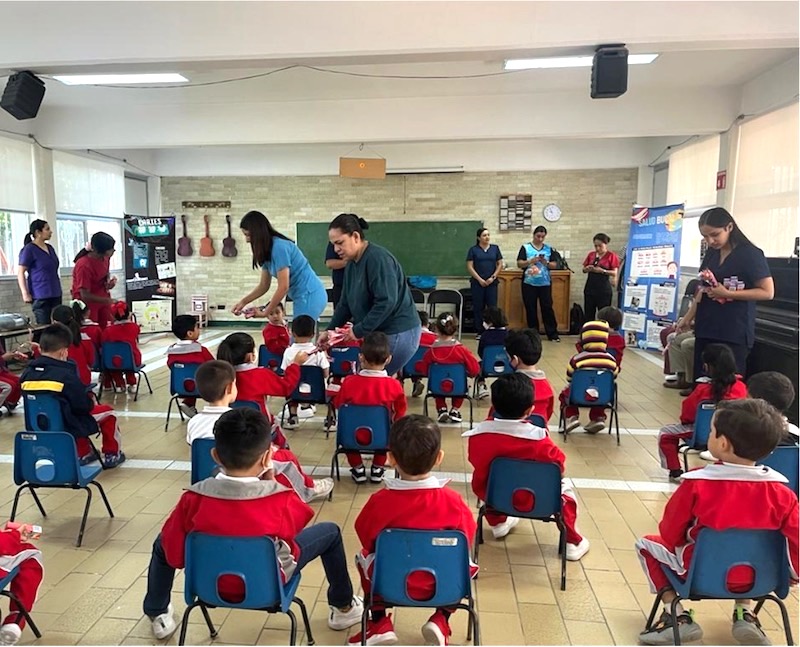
<point>85,515</point>
<point>292,627</point>
<point>364,617</point>
<point>306,623</point>
<point>24,612</point>
<point>185,623</point>
<point>207,617</point>
<point>654,609</point>
<point>147,379</point>
<point>787,624</point>
<point>105,499</point>
<point>673,611</point>
<point>169,413</point>
<point>36,500</point>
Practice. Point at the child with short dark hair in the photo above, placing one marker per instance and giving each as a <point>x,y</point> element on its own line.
<point>778,390</point>
<point>239,503</point>
<point>125,330</point>
<point>495,329</point>
<point>187,350</point>
<point>81,350</point>
<point>83,417</point>
<point>731,493</point>
<point>448,350</point>
<point>524,348</point>
<point>275,333</point>
<point>616,342</point>
<point>303,330</point>
<point>511,435</point>
<point>418,501</point>
<point>372,386</point>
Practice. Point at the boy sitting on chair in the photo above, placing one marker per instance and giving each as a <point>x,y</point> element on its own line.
<point>418,501</point>
<point>303,330</point>
<point>524,347</point>
<point>187,350</point>
<point>240,503</point>
<point>511,435</point>
<point>732,493</point>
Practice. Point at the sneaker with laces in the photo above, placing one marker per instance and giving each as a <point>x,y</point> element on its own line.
<point>379,632</point>
<point>576,551</point>
<point>483,392</point>
<point>444,417</point>
<point>661,632</point>
<point>595,426</point>
<point>292,422</point>
<point>339,620</point>
<point>189,412</point>
<point>747,629</point>
<point>322,488</point>
<point>417,389</point>
<point>306,411</point>
<point>113,460</point>
<point>376,473</point>
<point>164,626</point>
<point>572,423</point>
<point>10,633</point>
<point>437,630</point>
<point>358,474</point>
<point>455,415</point>
<point>502,529</point>
<point>88,458</point>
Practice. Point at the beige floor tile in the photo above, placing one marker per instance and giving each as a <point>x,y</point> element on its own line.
<point>542,625</point>
<point>108,631</point>
<point>71,589</point>
<point>85,612</point>
<point>588,633</point>
<point>532,585</point>
<point>495,592</point>
<point>501,628</point>
<point>58,638</point>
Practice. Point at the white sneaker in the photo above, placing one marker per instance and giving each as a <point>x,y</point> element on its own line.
<point>165,624</point>
<point>306,412</point>
<point>502,529</point>
<point>595,426</point>
<point>131,388</point>
<point>189,412</point>
<point>671,378</point>
<point>576,551</point>
<point>10,634</point>
<point>708,456</point>
<point>341,620</point>
<point>483,392</point>
<point>322,488</point>
<point>572,423</point>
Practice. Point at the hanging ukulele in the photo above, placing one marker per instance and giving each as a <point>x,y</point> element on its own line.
<point>206,244</point>
<point>229,244</point>
<point>184,242</point>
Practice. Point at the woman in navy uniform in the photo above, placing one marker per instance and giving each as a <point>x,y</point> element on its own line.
<point>484,262</point>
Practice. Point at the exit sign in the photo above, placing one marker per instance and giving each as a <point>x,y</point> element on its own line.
<point>722,178</point>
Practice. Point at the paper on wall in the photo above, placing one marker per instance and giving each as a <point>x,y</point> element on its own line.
<point>653,337</point>
<point>662,298</point>
<point>633,322</point>
<point>635,297</point>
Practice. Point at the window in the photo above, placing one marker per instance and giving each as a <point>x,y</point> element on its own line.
<point>87,186</point>
<point>74,231</point>
<point>13,228</point>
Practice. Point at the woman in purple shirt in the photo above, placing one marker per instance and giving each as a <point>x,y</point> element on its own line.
<point>42,286</point>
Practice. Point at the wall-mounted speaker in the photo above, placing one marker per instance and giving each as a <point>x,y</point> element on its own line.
<point>609,72</point>
<point>23,95</point>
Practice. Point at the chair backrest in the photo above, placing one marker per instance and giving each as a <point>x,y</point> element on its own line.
<point>181,379</point>
<point>495,361</point>
<point>203,466</point>
<point>268,359</point>
<point>253,559</point>
<point>117,356</point>
<point>452,297</point>
<point>245,404</point>
<point>413,366</point>
<point>363,427</point>
<point>538,420</point>
<point>718,551</point>
<point>785,460</point>
<point>702,425</point>
<point>444,554</point>
<point>45,458</point>
<point>585,379</point>
<point>418,295</point>
<point>43,412</point>
<point>448,380</point>
<point>311,387</point>
<point>522,488</point>
<point>344,360</point>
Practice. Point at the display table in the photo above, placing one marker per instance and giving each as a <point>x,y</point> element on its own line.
<point>510,298</point>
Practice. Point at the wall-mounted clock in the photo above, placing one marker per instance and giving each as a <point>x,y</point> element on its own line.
<point>552,212</point>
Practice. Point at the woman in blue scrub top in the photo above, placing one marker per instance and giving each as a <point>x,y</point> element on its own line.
<point>534,260</point>
<point>484,262</point>
<point>279,257</point>
<point>742,277</point>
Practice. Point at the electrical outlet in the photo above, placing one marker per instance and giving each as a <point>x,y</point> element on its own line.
<point>220,307</point>
<point>567,254</point>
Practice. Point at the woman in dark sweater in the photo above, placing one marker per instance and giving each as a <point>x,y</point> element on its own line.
<point>375,295</point>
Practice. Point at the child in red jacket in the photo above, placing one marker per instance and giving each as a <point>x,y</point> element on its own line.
<point>88,327</point>
<point>722,384</point>
<point>187,350</point>
<point>16,551</point>
<point>240,503</point>
<point>417,501</point>
<point>372,386</point>
<point>125,330</point>
<point>616,342</point>
<point>81,350</point>
<point>9,383</point>
<point>731,493</point>
<point>510,435</point>
<point>448,350</point>
<point>276,333</point>
<point>524,347</point>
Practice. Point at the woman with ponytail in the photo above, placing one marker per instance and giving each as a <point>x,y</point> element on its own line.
<point>42,285</point>
<point>81,350</point>
<point>125,330</point>
<point>91,281</point>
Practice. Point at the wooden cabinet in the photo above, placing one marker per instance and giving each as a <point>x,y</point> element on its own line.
<point>510,298</point>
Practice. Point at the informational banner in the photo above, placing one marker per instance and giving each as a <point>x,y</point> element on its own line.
<point>150,276</point>
<point>652,267</point>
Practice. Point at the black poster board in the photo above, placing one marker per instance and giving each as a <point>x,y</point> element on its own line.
<point>150,274</point>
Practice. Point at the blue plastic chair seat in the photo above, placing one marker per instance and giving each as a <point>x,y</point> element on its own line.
<point>601,380</point>
<point>372,421</point>
<point>181,385</point>
<point>447,381</point>
<point>786,460</point>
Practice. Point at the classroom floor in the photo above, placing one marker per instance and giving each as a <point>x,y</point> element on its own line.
<point>92,595</point>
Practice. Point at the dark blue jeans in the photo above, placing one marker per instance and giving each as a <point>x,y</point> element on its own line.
<point>402,346</point>
<point>482,298</point>
<point>322,540</point>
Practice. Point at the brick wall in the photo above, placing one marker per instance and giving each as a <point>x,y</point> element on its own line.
<point>591,201</point>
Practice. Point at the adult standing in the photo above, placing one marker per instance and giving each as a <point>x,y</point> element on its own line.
<point>38,259</point>
<point>336,266</point>
<point>734,275</point>
<point>484,262</point>
<point>279,257</point>
<point>534,259</point>
<point>375,295</point>
<point>602,266</point>
<point>91,281</point>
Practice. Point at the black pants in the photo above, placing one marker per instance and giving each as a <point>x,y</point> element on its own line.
<point>336,295</point>
<point>482,298</point>
<point>595,300</point>
<point>43,308</point>
<point>740,353</point>
<point>543,294</point>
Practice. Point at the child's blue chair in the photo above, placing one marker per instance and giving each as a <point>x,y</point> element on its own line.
<point>447,381</point>
<point>411,368</point>
<point>494,363</point>
<point>118,356</point>
<point>715,554</point>
<point>528,490</point>
<point>245,404</point>
<point>253,559</point>
<point>270,360</point>
<point>311,390</point>
<point>442,553</point>
<point>372,419</point>
<point>203,465</point>
<point>702,430</point>
<point>181,385</point>
<point>344,360</point>
<point>4,584</point>
<point>786,460</point>
<point>603,381</point>
<point>48,459</point>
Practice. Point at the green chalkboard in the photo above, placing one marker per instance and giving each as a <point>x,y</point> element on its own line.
<point>437,248</point>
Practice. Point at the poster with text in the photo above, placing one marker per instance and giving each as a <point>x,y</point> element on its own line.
<point>150,276</point>
<point>652,272</point>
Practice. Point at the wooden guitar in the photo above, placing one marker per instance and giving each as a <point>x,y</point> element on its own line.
<point>229,244</point>
<point>206,244</point>
<point>184,242</point>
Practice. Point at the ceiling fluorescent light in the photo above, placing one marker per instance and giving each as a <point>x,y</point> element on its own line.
<point>568,61</point>
<point>424,169</point>
<point>119,79</point>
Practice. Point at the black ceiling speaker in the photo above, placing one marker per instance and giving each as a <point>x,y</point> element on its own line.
<point>23,95</point>
<point>609,72</point>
